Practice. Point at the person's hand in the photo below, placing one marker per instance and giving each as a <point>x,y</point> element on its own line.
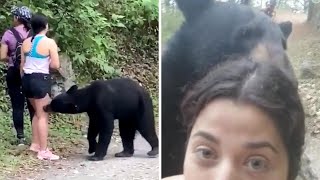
<point>56,70</point>
<point>5,60</point>
<point>60,71</point>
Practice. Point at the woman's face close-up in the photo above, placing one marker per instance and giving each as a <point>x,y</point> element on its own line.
<point>235,141</point>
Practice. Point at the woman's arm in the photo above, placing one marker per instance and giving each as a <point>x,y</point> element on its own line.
<point>54,55</point>
<point>4,52</point>
<point>5,46</point>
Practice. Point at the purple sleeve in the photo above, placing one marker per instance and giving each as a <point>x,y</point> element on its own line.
<point>7,37</point>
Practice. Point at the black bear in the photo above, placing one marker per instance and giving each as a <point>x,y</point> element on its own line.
<point>107,100</point>
<point>213,32</point>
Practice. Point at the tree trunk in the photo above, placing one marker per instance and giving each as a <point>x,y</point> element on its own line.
<point>314,14</point>
<point>305,6</point>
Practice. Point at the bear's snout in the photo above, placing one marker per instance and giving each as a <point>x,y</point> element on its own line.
<point>47,108</point>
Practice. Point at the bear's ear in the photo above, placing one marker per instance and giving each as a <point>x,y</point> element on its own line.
<point>286,28</point>
<point>73,89</point>
<point>193,8</point>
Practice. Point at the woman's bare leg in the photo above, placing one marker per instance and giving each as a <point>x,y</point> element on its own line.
<point>42,125</point>
<point>42,121</point>
<point>35,143</point>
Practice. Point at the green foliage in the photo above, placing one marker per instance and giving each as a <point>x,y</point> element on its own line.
<point>138,20</point>
<point>86,34</point>
<point>171,18</point>
<point>137,39</point>
<point>4,98</point>
<point>81,32</point>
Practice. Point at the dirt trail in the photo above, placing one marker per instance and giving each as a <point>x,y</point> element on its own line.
<point>76,167</point>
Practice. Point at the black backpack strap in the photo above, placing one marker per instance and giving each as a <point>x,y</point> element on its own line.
<point>16,34</point>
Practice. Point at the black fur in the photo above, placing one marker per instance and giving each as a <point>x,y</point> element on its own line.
<point>104,101</point>
<point>213,32</point>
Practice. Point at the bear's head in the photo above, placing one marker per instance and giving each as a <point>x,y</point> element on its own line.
<point>215,32</point>
<point>196,10</point>
<point>65,103</point>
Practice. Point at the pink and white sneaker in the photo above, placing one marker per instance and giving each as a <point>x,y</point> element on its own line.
<point>47,155</point>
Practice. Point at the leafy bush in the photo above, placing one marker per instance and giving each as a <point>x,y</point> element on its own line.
<point>100,36</point>
<point>87,35</point>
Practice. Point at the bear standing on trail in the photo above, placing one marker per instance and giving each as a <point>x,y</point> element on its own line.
<point>104,101</point>
<point>213,32</point>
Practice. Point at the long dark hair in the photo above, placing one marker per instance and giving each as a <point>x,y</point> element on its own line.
<point>38,24</point>
<point>262,85</point>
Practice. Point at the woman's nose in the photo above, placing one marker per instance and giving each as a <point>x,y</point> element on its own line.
<point>225,170</point>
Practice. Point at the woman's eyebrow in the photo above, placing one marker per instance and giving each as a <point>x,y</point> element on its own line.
<point>261,144</point>
<point>207,136</point>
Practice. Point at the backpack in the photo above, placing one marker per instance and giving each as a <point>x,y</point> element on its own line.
<point>16,58</point>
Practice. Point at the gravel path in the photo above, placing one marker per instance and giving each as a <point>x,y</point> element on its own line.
<point>140,166</point>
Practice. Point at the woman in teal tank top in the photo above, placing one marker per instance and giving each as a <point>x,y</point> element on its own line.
<point>39,54</point>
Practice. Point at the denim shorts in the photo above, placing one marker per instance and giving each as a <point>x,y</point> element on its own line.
<point>36,85</point>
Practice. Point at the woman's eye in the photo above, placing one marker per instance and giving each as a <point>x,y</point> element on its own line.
<point>205,153</point>
<point>257,164</point>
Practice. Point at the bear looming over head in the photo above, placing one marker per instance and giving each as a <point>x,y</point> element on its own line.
<point>214,32</point>
<point>194,9</point>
